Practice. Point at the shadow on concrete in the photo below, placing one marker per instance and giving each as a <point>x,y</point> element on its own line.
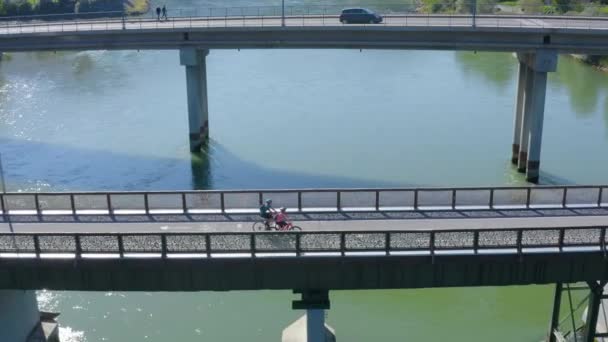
<point>312,216</point>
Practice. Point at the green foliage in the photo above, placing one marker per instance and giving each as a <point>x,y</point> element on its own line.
<point>486,6</point>
<point>563,6</point>
<point>439,6</point>
<point>550,10</point>
<point>532,6</point>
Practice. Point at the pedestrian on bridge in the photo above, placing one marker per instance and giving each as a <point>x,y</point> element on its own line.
<point>158,13</point>
<point>164,12</point>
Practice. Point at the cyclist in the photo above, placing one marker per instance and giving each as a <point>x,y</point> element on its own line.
<point>266,212</point>
<point>281,218</point>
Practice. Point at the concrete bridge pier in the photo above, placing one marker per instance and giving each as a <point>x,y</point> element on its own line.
<point>196,84</point>
<point>533,73</point>
<point>310,327</point>
<point>19,316</point>
<point>519,110</point>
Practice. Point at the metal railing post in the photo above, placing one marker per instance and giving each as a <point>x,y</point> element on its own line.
<point>299,201</point>
<point>36,246</point>
<point>37,204</point>
<point>146,204</point>
<point>519,242</point>
<point>432,246</point>
<point>208,245</point>
<point>252,244</point>
<point>475,241</point>
<point>338,201</point>
<point>109,203</point>
<point>121,247</point>
<point>163,245</point>
<point>72,204</point>
<point>78,246</point>
<point>283,13</point>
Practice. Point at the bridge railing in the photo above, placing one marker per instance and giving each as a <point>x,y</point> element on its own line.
<point>303,200</point>
<point>303,244</point>
<point>449,13</point>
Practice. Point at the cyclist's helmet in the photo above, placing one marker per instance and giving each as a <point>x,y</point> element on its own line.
<point>268,201</point>
<point>283,209</point>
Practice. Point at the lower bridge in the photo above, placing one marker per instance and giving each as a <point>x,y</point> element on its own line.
<point>352,239</point>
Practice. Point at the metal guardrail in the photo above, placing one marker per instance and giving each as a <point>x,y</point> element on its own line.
<point>302,244</point>
<point>303,200</point>
<point>404,14</point>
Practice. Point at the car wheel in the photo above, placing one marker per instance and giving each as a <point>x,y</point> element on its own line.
<point>343,21</point>
<point>372,21</point>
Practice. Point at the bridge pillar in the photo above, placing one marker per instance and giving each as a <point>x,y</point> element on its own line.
<point>537,66</point>
<point>519,110</point>
<point>19,316</point>
<point>524,131</point>
<point>557,301</point>
<point>310,327</point>
<point>593,310</point>
<point>196,84</point>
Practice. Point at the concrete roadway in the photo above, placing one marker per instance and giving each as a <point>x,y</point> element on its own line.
<point>359,221</point>
<point>312,21</point>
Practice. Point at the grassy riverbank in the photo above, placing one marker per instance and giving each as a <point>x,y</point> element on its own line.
<point>551,7</point>
<point>38,7</point>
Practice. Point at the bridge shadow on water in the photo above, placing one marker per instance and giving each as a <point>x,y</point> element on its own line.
<point>39,166</point>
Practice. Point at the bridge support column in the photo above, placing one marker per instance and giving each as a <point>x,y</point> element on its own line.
<point>593,310</point>
<point>196,83</point>
<point>19,316</point>
<point>537,66</point>
<point>524,131</point>
<point>519,111</point>
<point>557,301</point>
<point>310,327</point>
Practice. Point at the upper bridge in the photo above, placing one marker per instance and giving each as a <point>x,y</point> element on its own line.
<point>519,33</point>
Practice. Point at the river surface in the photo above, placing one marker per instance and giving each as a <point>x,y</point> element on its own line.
<point>293,118</point>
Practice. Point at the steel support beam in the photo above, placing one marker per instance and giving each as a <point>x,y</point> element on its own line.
<point>557,300</point>
<point>593,309</point>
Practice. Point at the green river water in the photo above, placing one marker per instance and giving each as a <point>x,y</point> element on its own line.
<point>293,118</point>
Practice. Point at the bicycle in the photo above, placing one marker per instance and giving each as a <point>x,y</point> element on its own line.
<point>260,226</point>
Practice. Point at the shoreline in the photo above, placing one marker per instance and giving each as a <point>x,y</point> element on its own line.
<point>585,59</point>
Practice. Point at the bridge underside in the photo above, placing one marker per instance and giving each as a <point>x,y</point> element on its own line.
<point>428,38</point>
<point>318,272</point>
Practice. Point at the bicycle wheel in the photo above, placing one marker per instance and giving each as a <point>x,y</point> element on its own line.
<point>296,228</point>
<point>259,227</point>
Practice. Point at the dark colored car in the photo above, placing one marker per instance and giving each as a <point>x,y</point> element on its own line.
<point>359,16</point>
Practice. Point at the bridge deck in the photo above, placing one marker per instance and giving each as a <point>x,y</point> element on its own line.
<point>342,221</point>
<point>450,32</point>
